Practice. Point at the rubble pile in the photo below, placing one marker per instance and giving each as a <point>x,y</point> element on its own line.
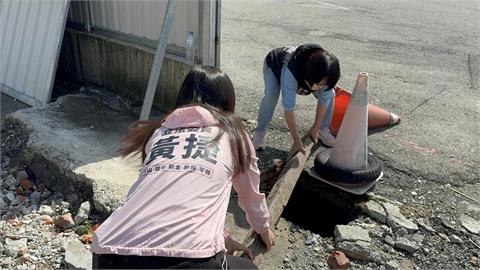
<point>39,228</point>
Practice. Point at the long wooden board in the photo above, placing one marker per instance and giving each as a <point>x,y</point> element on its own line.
<point>280,194</point>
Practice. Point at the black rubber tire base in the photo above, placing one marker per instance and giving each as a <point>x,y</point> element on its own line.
<point>357,177</point>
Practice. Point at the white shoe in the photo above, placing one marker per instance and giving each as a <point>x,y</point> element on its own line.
<point>258,140</point>
<point>326,137</point>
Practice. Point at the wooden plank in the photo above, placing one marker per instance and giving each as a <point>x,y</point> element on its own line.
<point>280,194</point>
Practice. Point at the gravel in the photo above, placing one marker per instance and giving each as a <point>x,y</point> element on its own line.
<point>29,238</point>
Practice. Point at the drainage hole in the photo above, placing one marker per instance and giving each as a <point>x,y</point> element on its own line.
<point>318,207</point>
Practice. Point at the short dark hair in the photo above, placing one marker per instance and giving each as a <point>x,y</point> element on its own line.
<point>322,64</point>
<point>207,85</point>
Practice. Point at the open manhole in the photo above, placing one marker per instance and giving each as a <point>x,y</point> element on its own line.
<point>318,207</point>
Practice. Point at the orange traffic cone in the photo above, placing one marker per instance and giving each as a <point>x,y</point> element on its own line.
<point>377,117</point>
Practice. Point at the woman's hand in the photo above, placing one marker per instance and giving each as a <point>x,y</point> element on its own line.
<point>296,147</point>
<point>232,246</point>
<point>268,238</point>
<point>313,133</point>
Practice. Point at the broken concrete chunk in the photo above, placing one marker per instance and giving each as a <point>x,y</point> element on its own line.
<point>359,250</point>
<point>376,211</point>
<point>351,233</point>
<point>77,256</point>
<point>406,245</point>
<point>46,210</point>
<point>455,239</point>
<point>417,238</point>
<point>470,224</point>
<point>397,220</point>
<point>13,246</point>
<point>444,237</point>
<point>389,240</point>
<point>83,212</point>
<point>10,196</point>
<point>472,208</point>
<point>392,265</point>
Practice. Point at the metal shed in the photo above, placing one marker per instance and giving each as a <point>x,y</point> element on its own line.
<point>30,38</point>
<point>108,43</point>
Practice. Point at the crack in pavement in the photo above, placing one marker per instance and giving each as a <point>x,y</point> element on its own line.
<point>427,100</point>
<point>473,63</point>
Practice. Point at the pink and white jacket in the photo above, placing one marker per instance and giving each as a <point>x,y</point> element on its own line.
<point>177,207</point>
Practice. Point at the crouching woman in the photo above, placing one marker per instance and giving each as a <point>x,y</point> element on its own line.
<point>174,214</point>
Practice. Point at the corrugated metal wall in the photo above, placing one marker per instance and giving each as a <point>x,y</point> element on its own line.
<point>141,18</point>
<point>30,34</point>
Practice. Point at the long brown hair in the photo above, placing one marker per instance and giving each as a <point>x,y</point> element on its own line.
<point>213,90</point>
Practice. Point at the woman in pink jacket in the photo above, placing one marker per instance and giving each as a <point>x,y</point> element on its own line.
<point>174,213</point>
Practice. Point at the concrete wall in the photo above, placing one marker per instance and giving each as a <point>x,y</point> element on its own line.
<point>120,67</point>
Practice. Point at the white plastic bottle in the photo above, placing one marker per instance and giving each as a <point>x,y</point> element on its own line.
<point>190,48</point>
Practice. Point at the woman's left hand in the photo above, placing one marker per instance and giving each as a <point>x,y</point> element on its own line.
<point>232,246</point>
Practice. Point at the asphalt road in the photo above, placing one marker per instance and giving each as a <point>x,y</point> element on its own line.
<point>423,60</point>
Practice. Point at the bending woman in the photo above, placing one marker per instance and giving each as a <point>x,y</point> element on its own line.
<point>174,213</point>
